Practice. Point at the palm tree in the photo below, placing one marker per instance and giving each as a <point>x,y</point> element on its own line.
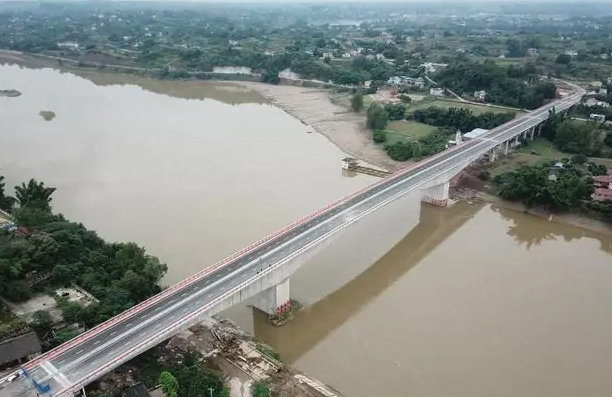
<point>34,195</point>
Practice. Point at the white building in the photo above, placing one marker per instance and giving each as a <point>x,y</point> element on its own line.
<point>480,95</point>
<point>436,91</point>
<point>475,133</point>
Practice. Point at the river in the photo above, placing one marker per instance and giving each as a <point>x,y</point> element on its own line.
<point>475,301</point>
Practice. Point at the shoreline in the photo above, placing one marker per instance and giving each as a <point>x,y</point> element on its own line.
<point>579,221</point>
<point>342,127</point>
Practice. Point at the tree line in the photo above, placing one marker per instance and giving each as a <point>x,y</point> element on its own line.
<point>590,139</point>
<point>513,86</point>
<point>448,121</point>
<point>557,189</point>
<point>119,275</point>
<point>459,118</point>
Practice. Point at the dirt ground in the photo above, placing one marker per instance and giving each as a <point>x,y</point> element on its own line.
<point>342,127</point>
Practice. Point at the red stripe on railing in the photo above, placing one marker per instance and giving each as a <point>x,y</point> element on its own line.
<point>189,280</point>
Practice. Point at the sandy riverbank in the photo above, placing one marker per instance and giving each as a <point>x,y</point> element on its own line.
<point>342,127</point>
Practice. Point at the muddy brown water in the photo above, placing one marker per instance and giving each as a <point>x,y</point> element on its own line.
<point>475,301</point>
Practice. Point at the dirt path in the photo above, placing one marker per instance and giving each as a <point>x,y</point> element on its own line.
<point>343,128</point>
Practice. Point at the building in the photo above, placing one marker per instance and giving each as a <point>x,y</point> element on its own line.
<point>18,349</point>
<point>597,117</point>
<point>480,95</point>
<point>591,102</point>
<point>436,91</point>
<point>68,45</point>
<point>602,181</point>
<point>475,133</point>
<point>603,187</point>
<point>403,81</point>
<point>232,70</point>
<point>602,194</point>
<point>532,52</point>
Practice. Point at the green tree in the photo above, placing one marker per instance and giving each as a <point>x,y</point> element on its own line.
<point>34,195</point>
<point>42,321</point>
<point>260,389</point>
<point>376,117</point>
<point>6,202</point>
<point>379,136</point>
<point>169,384</point>
<point>357,102</point>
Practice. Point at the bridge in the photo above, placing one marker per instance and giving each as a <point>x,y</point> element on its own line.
<point>262,269</point>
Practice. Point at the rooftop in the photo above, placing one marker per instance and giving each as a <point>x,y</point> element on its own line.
<point>475,133</point>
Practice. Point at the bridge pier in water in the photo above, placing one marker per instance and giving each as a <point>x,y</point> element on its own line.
<point>275,301</point>
<point>437,195</point>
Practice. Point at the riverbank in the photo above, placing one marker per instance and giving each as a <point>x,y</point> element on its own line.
<point>345,129</point>
<point>572,219</point>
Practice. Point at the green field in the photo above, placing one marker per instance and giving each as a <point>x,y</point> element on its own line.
<point>477,109</point>
<point>543,148</point>
<point>402,130</point>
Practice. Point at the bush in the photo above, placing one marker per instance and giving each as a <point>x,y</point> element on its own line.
<point>379,136</point>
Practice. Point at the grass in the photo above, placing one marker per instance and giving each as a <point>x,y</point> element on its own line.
<point>543,148</point>
<point>402,130</point>
<point>477,109</point>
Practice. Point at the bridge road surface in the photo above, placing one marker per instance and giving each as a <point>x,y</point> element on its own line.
<point>106,349</point>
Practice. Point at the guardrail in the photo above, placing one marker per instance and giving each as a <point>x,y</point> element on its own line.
<point>197,276</point>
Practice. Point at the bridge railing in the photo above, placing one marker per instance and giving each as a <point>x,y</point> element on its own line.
<point>199,275</point>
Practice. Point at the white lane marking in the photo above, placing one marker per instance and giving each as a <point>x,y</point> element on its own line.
<point>79,352</point>
<point>113,333</point>
<point>157,325</point>
<point>183,294</point>
<point>61,362</point>
<point>432,171</point>
<point>129,325</point>
<point>158,308</point>
<point>171,317</point>
<point>96,342</point>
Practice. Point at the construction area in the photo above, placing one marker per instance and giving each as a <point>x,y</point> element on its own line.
<point>352,165</point>
<point>246,361</point>
<point>222,346</point>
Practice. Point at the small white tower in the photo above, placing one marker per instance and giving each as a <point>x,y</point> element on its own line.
<point>458,137</point>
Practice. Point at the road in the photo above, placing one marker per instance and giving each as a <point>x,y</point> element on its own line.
<point>105,347</point>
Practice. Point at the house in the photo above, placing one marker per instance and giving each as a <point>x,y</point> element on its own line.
<point>346,55</point>
<point>69,45</point>
<point>22,347</point>
<point>597,117</point>
<point>436,91</point>
<point>480,95</point>
<point>431,67</point>
<point>595,85</point>
<point>380,57</point>
<point>601,194</point>
<point>532,52</point>
<point>602,181</point>
<point>571,53</point>
<point>327,55</point>
<point>591,102</point>
<point>404,81</point>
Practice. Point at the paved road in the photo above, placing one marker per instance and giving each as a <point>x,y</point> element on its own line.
<point>107,346</point>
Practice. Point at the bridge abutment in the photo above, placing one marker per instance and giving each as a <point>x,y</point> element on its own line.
<point>275,301</point>
<point>437,195</point>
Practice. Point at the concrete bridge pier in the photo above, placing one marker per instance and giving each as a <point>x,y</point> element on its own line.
<point>275,301</point>
<point>437,195</point>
